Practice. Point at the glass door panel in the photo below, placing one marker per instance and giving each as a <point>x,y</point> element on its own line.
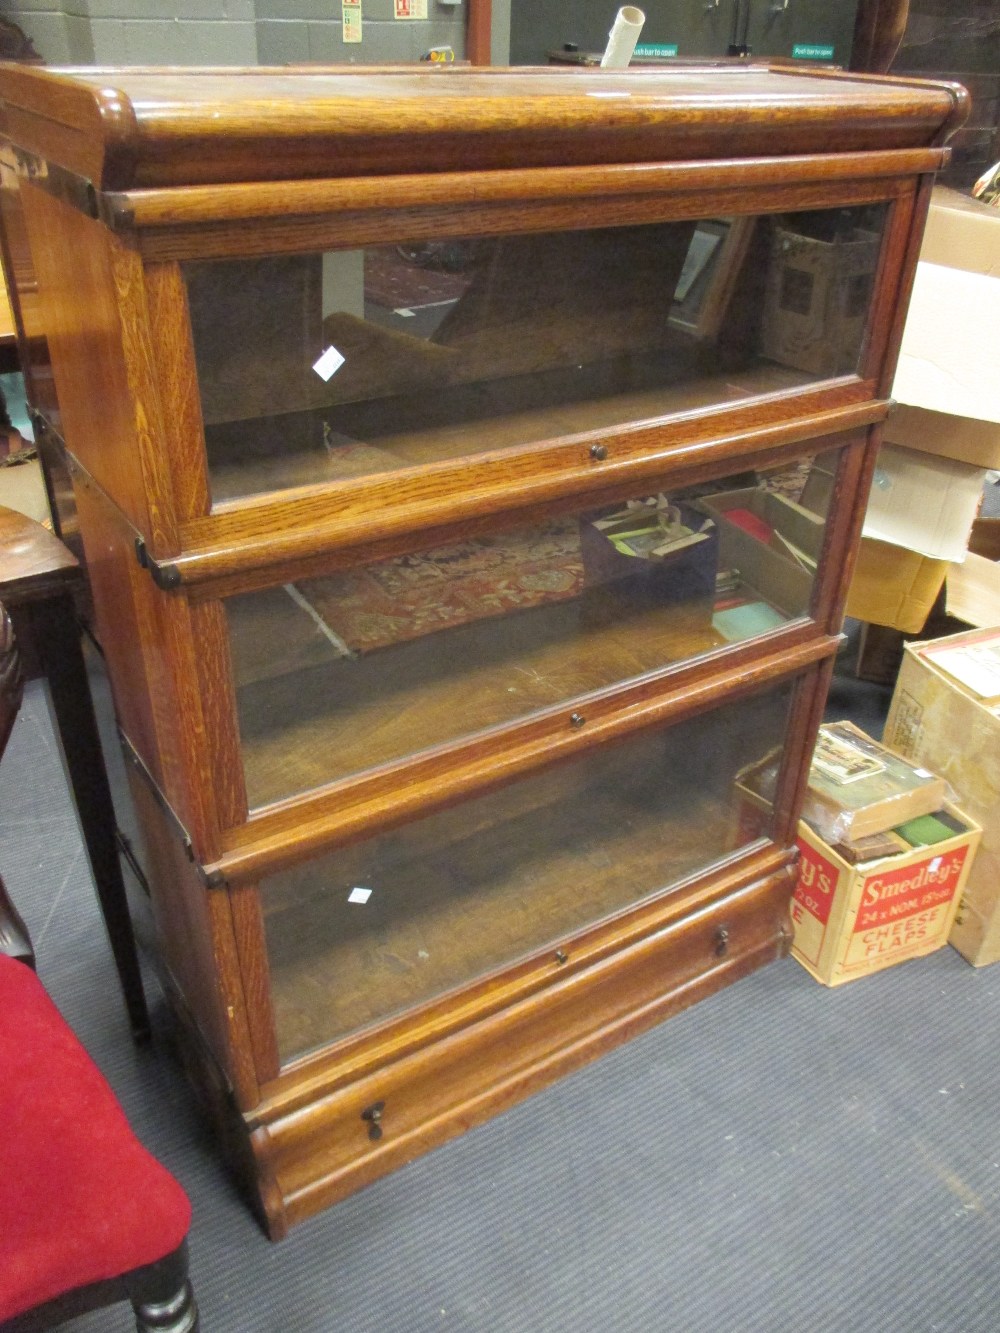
<point>339,674</point>
<point>318,368</point>
<point>375,928</point>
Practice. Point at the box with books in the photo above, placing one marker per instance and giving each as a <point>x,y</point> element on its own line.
<point>861,906</point>
<point>864,901</point>
<point>857,787</point>
<point>945,713</point>
<point>852,918</point>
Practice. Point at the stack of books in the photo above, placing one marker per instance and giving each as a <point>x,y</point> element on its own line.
<point>883,855</point>
<point>866,801</point>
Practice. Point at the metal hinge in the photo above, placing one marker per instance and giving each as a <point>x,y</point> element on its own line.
<point>76,191</point>
<point>79,192</point>
<point>128,853</point>
<point>164,573</point>
<point>212,879</point>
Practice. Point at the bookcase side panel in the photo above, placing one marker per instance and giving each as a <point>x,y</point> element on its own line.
<point>90,299</point>
<point>198,952</point>
<point>183,434</point>
<point>153,649</point>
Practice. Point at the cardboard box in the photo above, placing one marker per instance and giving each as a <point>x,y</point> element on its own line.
<point>894,587</point>
<point>985,539</point>
<point>852,920</point>
<point>961,233</point>
<point>973,589</point>
<point>816,300</point>
<point>919,517</point>
<point>961,438</point>
<point>937,721</point>
<point>923,504</point>
<point>769,568</point>
<point>796,530</point>
<point>946,381</point>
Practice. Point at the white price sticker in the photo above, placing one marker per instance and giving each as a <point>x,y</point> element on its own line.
<point>329,363</point>
<point>359,895</point>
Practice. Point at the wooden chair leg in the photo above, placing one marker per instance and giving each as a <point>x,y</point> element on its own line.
<point>162,1297</point>
<point>14,938</point>
<point>57,635</point>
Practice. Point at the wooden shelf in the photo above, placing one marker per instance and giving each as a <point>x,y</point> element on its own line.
<point>311,714</point>
<point>479,887</point>
<point>274,453</point>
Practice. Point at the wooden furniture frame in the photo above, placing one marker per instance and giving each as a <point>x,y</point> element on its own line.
<point>39,578</point>
<point>121,180</point>
<point>479,31</point>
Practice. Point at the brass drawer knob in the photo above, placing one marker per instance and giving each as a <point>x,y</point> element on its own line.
<point>373,1115</point>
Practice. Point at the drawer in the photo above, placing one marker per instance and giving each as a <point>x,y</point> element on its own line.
<point>314,1151</point>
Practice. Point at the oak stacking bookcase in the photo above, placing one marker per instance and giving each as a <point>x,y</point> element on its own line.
<point>469,466</point>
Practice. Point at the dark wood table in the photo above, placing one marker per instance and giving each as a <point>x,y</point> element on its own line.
<point>8,334</point>
<point>38,580</point>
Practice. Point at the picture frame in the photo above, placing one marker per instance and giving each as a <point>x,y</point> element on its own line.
<point>708,278</point>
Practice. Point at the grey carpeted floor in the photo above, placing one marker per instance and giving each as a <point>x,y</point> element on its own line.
<point>781,1157</point>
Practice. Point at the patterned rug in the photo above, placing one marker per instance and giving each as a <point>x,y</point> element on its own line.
<point>413,595</point>
<point>396,276</point>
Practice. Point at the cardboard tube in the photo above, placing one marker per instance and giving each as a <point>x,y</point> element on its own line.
<point>622,38</point>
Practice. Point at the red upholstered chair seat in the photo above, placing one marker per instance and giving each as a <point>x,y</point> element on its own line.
<point>80,1198</point>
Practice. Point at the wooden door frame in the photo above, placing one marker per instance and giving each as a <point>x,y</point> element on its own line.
<point>878,31</point>
<point>479,32</point>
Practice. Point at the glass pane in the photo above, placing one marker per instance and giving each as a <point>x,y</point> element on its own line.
<point>374,928</point>
<point>316,368</point>
<point>345,672</point>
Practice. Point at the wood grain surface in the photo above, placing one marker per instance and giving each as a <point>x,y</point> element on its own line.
<point>193,204</point>
<point>270,539</point>
<point>144,127</point>
<point>34,564</point>
<point>570,877</point>
<point>436,1089</point>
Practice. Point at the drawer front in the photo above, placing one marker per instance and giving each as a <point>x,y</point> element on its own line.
<point>315,1155</point>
